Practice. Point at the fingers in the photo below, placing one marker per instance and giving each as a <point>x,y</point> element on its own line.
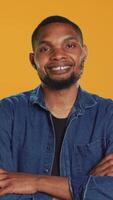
<point>6,190</point>
<point>2,171</point>
<point>106,172</point>
<point>108,165</point>
<point>106,158</point>
<point>4,183</point>
<point>3,174</point>
<point>104,168</point>
<point>18,183</point>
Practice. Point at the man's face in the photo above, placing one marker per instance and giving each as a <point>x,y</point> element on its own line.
<point>58,55</point>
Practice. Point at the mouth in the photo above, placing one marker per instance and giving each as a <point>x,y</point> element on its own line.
<point>60,68</point>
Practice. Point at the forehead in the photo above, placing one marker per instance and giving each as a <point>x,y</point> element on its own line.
<point>56,31</point>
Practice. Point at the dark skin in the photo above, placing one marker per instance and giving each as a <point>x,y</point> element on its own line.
<point>25,183</point>
<point>57,43</point>
<point>104,168</point>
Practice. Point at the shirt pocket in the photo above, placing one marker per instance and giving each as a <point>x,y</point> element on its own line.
<point>86,156</point>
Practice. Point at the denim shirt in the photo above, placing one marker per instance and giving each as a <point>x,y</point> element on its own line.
<point>27,142</point>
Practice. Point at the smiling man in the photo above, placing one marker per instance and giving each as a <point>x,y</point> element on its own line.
<point>56,141</point>
<point>58,55</point>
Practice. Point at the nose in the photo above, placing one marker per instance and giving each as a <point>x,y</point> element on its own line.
<point>58,54</point>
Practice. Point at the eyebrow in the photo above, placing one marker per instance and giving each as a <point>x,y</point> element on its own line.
<point>44,42</point>
<point>71,38</point>
<point>65,39</point>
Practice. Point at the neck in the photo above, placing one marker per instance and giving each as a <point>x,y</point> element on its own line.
<point>60,102</point>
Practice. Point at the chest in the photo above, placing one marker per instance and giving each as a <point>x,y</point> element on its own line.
<point>33,143</point>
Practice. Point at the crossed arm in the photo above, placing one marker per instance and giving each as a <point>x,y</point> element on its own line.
<point>25,183</point>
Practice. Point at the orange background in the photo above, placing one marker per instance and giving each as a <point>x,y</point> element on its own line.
<point>19,18</point>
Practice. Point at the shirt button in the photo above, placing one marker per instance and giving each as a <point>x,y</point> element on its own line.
<point>49,147</point>
<point>46,170</point>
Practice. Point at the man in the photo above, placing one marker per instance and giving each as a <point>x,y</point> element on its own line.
<point>56,142</point>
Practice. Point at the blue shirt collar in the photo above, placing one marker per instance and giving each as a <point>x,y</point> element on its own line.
<point>84,99</point>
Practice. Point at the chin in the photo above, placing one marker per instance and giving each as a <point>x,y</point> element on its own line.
<point>62,83</point>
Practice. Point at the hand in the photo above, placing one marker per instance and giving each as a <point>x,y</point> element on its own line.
<point>104,168</point>
<point>18,183</point>
<point>25,183</point>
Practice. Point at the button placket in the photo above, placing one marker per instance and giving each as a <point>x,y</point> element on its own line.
<point>48,156</point>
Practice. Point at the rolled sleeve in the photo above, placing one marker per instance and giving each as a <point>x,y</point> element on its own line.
<point>93,187</point>
<point>78,186</point>
<point>99,187</point>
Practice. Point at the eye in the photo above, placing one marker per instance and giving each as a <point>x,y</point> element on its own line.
<point>71,45</point>
<point>44,49</point>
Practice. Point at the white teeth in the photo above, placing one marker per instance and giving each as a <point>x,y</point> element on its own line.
<point>56,68</point>
<point>60,68</point>
<point>65,67</point>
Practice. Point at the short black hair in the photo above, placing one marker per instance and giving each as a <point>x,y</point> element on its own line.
<point>53,19</point>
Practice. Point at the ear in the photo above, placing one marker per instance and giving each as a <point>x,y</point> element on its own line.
<point>31,58</point>
<point>84,53</point>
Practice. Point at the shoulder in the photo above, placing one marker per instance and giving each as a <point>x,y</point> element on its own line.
<point>15,103</point>
<point>97,98</point>
<point>18,98</point>
<point>101,103</point>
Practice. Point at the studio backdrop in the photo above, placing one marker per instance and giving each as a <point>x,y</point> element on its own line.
<point>19,18</point>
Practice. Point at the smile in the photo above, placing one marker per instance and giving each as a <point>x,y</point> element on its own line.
<point>59,68</point>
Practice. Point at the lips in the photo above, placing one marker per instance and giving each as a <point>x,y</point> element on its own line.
<point>59,67</point>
